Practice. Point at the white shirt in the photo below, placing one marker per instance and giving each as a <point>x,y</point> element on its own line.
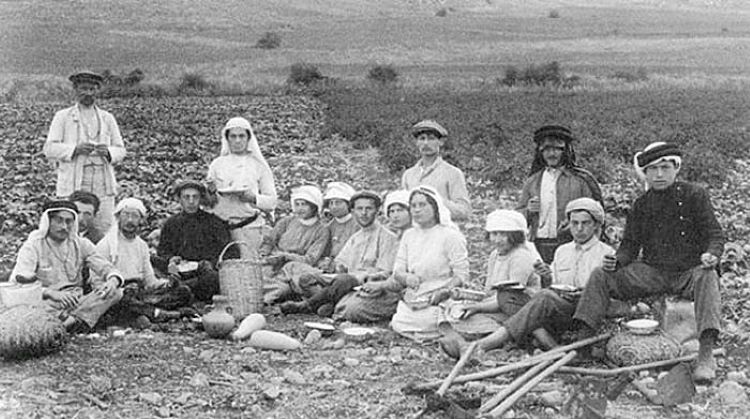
<point>573,262</point>
<point>548,204</point>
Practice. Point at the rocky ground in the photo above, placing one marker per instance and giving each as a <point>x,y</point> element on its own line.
<point>175,370</point>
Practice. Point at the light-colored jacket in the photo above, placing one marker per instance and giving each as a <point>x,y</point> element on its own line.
<point>65,133</point>
<point>448,180</point>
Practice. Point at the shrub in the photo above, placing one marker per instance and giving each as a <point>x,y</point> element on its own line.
<point>512,76</point>
<point>628,76</point>
<point>442,12</point>
<point>304,74</point>
<point>269,40</point>
<point>553,14</point>
<point>193,81</point>
<point>383,74</point>
<point>538,75</point>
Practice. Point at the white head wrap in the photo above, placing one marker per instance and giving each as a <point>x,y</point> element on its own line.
<point>131,203</point>
<point>252,143</point>
<point>339,190</point>
<point>309,193</point>
<point>505,220</point>
<point>443,211</point>
<point>44,222</point>
<point>396,197</point>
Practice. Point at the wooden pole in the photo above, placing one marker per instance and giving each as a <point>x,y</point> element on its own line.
<point>456,369</point>
<point>553,353</point>
<point>603,372</point>
<point>513,386</point>
<point>508,402</point>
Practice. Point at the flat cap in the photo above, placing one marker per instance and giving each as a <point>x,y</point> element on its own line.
<point>189,184</point>
<point>86,76</point>
<point>428,125</point>
<point>586,204</point>
<point>366,194</point>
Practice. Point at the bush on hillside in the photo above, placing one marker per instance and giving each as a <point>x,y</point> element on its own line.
<point>553,14</point>
<point>443,12</point>
<point>304,74</point>
<point>193,82</point>
<point>631,77</point>
<point>383,74</point>
<point>547,74</point>
<point>269,40</point>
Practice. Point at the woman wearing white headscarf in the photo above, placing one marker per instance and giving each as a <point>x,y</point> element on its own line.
<point>295,245</point>
<point>432,259</point>
<point>243,183</point>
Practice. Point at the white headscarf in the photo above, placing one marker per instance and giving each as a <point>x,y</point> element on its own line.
<point>443,211</point>
<point>309,193</point>
<point>44,222</point>
<point>339,190</point>
<point>396,197</point>
<point>510,220</point>
<point>252,143</point>
<point>112,238</point>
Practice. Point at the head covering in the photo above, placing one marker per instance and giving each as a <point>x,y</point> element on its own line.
<point>655,153</point>
<point>396,197</point>
<point>309,193</point>
<point>505,220</point>
<point>557,132</point>
<point>131,203</point>
<point>366,194</point>
<point>444,213</point>
<point>189,184</point>
<point>428,125</point>
<point>52,206</point>
<point>86,76</point>
<point>252,143</point>
<point>586,204</point>
<point>338,190</point>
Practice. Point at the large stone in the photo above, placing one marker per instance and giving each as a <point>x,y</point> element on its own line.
<point>732,393</point>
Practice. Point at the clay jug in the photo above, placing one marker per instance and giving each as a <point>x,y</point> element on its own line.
<point>219,321</point>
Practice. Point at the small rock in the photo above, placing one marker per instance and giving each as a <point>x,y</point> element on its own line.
<point>151,397</point>
<point>642,308</point>
<point>119,333</point>
<point>351,362</point>
<point>644,373</point>
<point>294,377</point>
<point>731,393</point>
<point>380,359</point>
<point>661,375</point>
<point>475,386</point>
<point>188,349</point>
<point>552,398</point>
<point>183,398</point>
<point>163,412</point>
<point>199,380</point>
<point>550,412</point>
<point>648,381</point>
<point>396,351</point>
<point>338,344</point>
<point>313,337</point>
<point>248,350</point>
<point>271,392</point>
<point>510,414</point>
<point>738,376</point>
<point>396,360</point>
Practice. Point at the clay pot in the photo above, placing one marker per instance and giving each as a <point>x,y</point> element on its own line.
<point>219,321</point>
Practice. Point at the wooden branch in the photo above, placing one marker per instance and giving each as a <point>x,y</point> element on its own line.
<point>95,400</point>
<point>603,372</point>
<point>513,386</point>
<point>508,402</point>
<point>456,369</point>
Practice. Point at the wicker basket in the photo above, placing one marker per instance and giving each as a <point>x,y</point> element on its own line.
<point>626,348</point>
<point>241,281</point>
<point>29,331</point>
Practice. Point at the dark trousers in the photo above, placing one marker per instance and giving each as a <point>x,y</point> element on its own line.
<point>138,302</point>
<point>204,283</point>
<point>545,310</point>
<point>341,285</point>
<point>638,280</point>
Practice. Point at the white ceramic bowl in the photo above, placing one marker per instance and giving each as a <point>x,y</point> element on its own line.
<point>642,326</point>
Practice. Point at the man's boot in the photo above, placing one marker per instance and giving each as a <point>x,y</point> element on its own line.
<point>705,365</point>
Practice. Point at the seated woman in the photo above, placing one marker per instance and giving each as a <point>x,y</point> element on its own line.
<point>370,307</point>
<point>294,246</point>
<point>431,260</point>
<point>510,275</point>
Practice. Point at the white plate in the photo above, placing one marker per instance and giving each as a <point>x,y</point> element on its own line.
<point>187,266</point>
<point>506,284</point>
<point>358,331</point>
<point>321,326</point>
<point>642,326</point>
<point>563,287</point>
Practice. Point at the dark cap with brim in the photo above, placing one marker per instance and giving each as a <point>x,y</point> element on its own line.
<point>59,205</point>
<point>86,77</point>
<point>558,132</point>
<point>189,184</point>
<point>366,194</point>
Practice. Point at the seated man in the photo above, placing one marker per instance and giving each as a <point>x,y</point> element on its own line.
<point>88,207</point>
<point>549,312</point>
<point>336,202</point>
<point>54,255</point>
<point>674,229</point>
<point>144,294</point>
<point>193,235</point>
<point>368,255</point>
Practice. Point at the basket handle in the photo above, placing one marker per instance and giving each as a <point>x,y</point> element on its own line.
<point>221,256</point>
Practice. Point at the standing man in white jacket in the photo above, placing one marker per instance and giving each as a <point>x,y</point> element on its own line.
<point>85,142</point>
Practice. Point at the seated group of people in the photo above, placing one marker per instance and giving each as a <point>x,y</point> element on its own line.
<point>355,268</point>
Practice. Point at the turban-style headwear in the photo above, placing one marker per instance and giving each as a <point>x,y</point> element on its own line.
<point>397,197</point>
<point>586,204</point>
<point>308,193</point>
<point>131,203</point>
<point>338,190</point>
<point>505,220</point>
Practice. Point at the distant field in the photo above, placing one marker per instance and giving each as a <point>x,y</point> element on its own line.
<point>476,40</point>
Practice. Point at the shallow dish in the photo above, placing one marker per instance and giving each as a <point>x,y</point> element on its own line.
<point>563,288</point>
<point>323,327</point>
<point>358,334</point>
<point>187,266</point>
<point>504,284</point>
<point>642,326</point>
